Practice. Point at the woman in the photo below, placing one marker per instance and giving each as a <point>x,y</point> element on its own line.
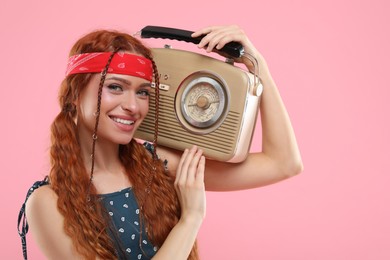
<point>111,197</point>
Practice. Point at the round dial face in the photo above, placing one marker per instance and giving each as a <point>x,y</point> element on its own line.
<point>203,102</point>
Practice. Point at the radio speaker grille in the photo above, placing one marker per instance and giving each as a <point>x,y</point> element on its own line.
<point>222,140</point>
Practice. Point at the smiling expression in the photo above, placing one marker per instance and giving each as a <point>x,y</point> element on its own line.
<point>124,105</point>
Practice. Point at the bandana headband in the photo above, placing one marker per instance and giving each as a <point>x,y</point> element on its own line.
<point>121,63</point>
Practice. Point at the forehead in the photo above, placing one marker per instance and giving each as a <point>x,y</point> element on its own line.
<point>126,79</point>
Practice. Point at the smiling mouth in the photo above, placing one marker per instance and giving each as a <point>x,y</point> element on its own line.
<point>122,121</point>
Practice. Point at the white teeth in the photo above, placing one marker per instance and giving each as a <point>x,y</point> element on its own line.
<point>123,121</point>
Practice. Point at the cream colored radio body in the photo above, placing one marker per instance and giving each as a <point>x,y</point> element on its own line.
<point>203,101</point>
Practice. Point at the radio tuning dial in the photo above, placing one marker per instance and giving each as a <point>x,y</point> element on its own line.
<point>203,102</point>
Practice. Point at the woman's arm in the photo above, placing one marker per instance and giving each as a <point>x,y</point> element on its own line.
<point>189,184</point>
<point>46,224</point>
<point>279,157</point>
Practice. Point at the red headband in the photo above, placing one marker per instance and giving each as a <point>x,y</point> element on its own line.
<point>121,63</point>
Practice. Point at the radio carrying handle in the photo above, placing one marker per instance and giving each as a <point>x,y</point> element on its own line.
<point>233,49</point>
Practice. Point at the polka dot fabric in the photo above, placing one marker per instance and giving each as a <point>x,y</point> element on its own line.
<point>123,210</point>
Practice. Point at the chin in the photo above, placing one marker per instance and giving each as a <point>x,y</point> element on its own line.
<point>124,141</point>
<point>121,140</point>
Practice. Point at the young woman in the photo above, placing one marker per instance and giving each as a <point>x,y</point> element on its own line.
<point>111,197</point>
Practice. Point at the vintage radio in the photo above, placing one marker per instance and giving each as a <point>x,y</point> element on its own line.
<point>203,100</point>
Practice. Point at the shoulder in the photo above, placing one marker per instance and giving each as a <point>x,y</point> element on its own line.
<point>41,208</point>
<point>169,155</point>
<point>47,224</point>
<point>42,198</point>
<point>151,149</point>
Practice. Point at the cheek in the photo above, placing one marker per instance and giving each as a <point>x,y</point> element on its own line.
<point>87,108</point>
<point>144,105</point>
<point>88,100</point>
<point>107,101</point>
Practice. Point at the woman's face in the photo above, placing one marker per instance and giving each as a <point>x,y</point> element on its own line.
<point>124,104</point>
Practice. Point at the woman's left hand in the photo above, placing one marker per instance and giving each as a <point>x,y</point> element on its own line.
<point>218,36</point>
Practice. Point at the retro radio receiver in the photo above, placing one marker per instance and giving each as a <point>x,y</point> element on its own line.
<point>203,100</point>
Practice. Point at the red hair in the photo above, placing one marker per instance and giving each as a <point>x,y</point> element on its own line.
<point>86,222</point>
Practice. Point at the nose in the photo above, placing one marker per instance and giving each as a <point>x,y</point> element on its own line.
<point>130,103</point>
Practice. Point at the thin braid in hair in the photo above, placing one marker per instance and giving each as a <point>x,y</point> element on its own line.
<point>73,184</point>
<point>155,157</point>
<point>97,114</point>
<point>157,103</point>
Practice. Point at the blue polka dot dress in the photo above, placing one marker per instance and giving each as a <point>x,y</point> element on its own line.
<point>123,210</point>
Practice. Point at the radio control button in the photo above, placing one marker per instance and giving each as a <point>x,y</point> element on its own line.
<point>164,87</point>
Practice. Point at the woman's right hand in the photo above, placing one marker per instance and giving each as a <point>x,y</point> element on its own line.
<point>190,189</point>
<point>189,185</point>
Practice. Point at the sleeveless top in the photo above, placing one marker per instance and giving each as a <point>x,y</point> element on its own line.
<point>123,210</point>
<point>122,207</point>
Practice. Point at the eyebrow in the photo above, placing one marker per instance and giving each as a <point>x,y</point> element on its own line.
<point>125,81</point>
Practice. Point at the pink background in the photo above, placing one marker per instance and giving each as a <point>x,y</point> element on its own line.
<point>330,60</point>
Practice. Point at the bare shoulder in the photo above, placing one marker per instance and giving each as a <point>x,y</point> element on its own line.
<point>41,204</point>
<point>47,224</point>
<point>41,197</point>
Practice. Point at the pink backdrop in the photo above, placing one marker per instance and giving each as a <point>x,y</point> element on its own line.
<point>330,60</point>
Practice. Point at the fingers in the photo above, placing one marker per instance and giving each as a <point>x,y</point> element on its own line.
<point>191,164</point>
<point>180,166</point>
<point>199,178</point>
<point>219,36</point>
<point>189,184</point>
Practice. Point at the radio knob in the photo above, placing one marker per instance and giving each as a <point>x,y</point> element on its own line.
<point>203,102</point>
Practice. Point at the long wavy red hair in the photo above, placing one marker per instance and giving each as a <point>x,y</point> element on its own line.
<point>86,222</point>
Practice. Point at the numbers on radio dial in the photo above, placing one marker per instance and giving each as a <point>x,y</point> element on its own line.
<point>203,102</point>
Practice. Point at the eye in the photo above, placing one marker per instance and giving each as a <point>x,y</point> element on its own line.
<point>143,92</point>
<point>115,87</point>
